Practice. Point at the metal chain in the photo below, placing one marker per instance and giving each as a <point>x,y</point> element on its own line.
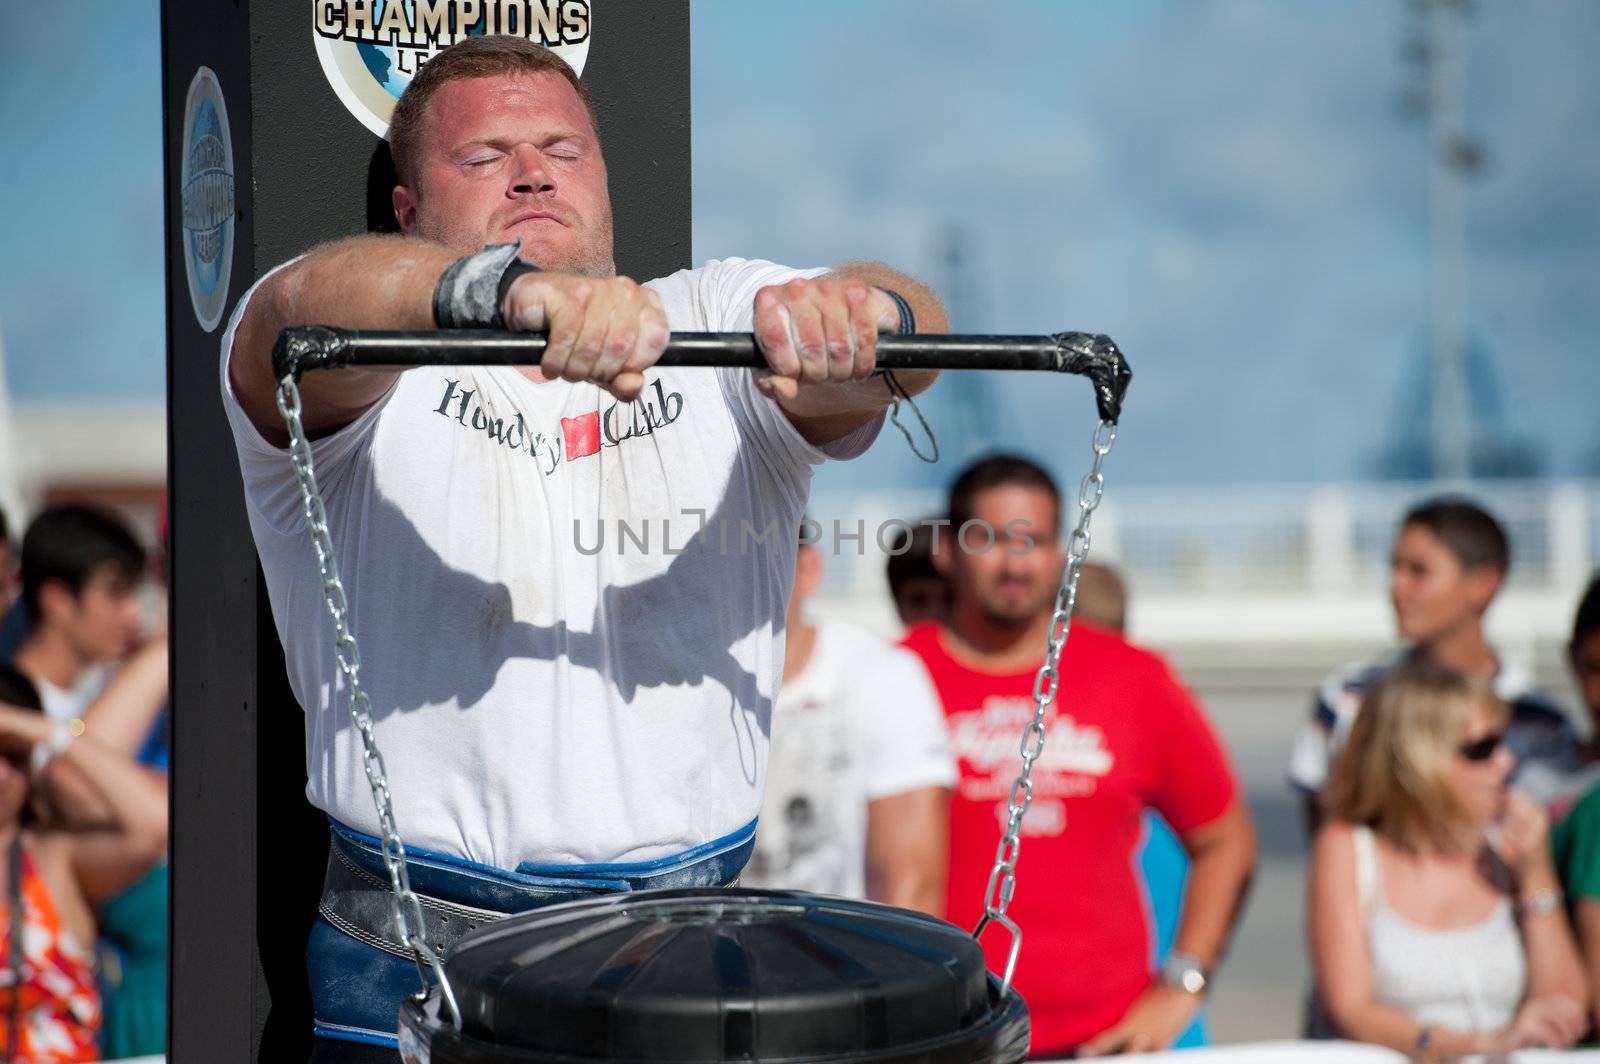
<point>405,906</point>
<point>1003,879</point>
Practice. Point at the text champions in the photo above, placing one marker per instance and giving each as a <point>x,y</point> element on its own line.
<point>435,24</point>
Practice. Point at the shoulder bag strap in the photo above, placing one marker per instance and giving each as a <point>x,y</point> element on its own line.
<point>1368,882</point>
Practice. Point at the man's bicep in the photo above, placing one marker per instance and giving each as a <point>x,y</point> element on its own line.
<point>368,282</point>
<point>1231,824</point>
<point>914,820</point>
<point>1196,783</point>
<point>907,848</point>
<point>263,313</point>
<point>247,355</point>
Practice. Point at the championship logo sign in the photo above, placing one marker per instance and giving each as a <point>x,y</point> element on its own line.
<point>206,196</point>
<point>369,49</point>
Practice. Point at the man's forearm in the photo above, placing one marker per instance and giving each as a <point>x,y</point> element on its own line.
<point>907,836</point>
<point>913,887</point>
<point>367,282</point>
<point>123,714</point>
<point>1222,860</point>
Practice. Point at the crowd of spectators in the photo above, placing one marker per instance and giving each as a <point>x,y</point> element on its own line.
<point>83,793</point>
<point>1452,811</point>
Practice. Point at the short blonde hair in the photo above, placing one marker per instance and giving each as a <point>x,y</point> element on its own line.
<point>475,57</point>
<point>1394,771</point>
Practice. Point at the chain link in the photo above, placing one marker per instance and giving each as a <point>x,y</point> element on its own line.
<point>1003,878</point>
<point>405,906</point>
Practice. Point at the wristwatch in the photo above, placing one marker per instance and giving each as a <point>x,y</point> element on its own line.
<point>1541,902</point>
<point>62,732</point>
<point>1182,971</point>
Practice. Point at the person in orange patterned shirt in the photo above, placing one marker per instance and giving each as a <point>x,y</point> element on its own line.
<point>49,1003</point>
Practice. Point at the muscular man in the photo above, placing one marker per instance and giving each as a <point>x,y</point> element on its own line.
<point>569,581</point>
<point>1123,736</point>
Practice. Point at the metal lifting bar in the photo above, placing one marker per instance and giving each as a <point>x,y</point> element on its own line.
<point>307,347</point>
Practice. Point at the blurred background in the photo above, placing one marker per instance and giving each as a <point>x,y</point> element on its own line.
<point>1349,248</point>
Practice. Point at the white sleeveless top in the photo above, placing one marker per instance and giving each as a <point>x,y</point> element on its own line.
<point>1463,978</point>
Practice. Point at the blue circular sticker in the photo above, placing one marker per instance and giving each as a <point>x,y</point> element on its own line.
<point>369,49</point>
<point>206,198</point>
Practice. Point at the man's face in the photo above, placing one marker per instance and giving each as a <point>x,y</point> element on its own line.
<point>103,624</point>
<point>1012,582</point>
<point>1586,669</point>
<point>1432,593</point>
<point>922,598</point>
<point>507,158</point>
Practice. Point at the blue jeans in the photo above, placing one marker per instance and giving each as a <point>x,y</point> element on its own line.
<point>357,987</point>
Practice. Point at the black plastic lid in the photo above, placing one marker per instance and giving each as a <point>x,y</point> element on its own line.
<point>720,975</point>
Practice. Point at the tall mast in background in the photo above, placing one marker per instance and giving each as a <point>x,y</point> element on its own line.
<point>1453,158</point>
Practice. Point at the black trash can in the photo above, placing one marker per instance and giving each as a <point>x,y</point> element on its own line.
<point>718,975</point>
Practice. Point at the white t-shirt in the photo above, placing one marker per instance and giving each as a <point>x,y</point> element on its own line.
<point>64,703</point>
<point>546,690</point>
<point>862,721</point>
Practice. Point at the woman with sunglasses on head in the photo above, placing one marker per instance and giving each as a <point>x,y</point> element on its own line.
<point>54,869</point>
<point>1435,914</point>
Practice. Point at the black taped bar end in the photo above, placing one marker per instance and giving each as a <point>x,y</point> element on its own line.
<point>302,347</point>
<point>1095,356</point>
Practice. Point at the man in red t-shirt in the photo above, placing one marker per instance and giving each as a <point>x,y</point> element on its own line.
<point>1123,735</point>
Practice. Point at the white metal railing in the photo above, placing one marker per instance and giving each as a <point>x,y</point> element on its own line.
<point>1251,542</point>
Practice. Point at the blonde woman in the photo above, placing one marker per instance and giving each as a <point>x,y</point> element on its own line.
<point>1436,920</point>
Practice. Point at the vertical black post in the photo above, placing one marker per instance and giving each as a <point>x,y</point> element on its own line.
<point>269,150</point>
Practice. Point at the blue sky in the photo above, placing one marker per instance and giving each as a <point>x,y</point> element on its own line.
<point>82,293</point>
<point>1225,186</point>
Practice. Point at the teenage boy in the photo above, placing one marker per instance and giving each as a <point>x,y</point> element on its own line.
<point>81,569</point>
<point>1449,561</point>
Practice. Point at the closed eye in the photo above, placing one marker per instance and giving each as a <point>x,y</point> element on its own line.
<point>567,149</point>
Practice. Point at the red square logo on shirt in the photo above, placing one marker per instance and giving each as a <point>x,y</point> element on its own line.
<point>582,434</point>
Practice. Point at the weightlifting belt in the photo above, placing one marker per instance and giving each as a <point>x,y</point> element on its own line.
<point>360,972</point>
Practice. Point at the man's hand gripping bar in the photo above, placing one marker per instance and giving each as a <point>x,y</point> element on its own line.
<point>306,347</point>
